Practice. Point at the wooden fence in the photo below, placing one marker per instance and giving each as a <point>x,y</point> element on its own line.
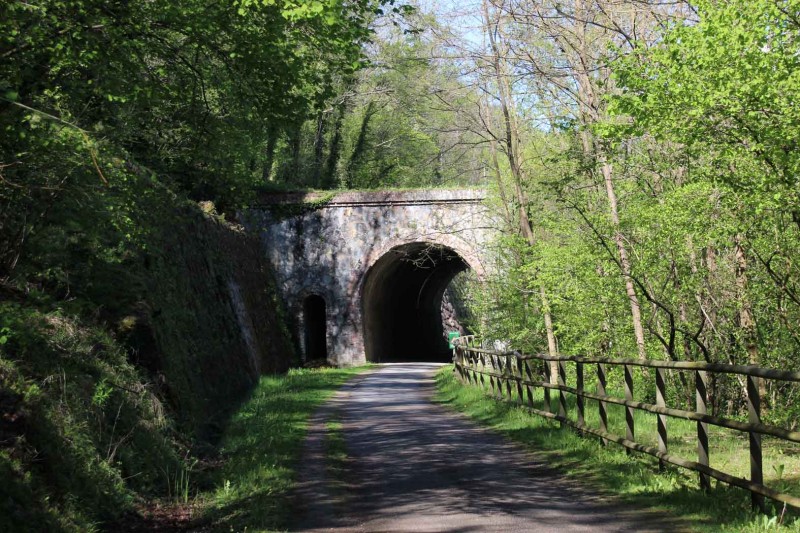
<point>505,371</point>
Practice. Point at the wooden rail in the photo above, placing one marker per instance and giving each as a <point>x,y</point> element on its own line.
<point>512,370</point>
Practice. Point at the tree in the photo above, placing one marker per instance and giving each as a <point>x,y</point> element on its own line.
<point>195,93</point>
<point>726,86</point>
<point>391,124</point>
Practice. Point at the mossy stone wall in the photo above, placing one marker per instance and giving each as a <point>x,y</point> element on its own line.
<point>215,317</point>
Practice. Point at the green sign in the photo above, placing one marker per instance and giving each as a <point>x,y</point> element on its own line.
<point>451,336</point>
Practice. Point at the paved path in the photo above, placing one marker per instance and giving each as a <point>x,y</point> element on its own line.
<point>416,466</point>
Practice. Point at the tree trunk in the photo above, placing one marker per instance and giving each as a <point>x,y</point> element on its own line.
<point>512,153</point>
<point>552,347</point>
<point>500,184</point>
<point>590,112</point>
<point>319,150</point>
<point>269,155</point>
<point>746,320</point>
<point>295,144</point>
<point>624,261</point>
<point>329,178</point>
<point>361,142</point>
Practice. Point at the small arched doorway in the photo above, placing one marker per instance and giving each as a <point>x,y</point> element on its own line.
<point>315,328</point>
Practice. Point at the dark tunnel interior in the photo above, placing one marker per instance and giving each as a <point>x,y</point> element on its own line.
<point>402,302</point>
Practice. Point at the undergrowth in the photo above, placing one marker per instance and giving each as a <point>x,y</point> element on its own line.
<point>635,479</point>
<point>82,437</point>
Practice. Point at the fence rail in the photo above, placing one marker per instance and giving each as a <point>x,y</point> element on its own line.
<point>506,371</point>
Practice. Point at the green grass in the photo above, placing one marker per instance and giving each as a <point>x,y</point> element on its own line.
<point>635,479</point>
<point>261,449</point>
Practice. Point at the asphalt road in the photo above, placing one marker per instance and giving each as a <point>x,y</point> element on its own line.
<point>413,465</point>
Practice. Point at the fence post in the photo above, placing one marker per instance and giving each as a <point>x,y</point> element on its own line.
<point>504,382</point>
<point>509,374</point>
<point>528,373</point>
<point>754,417</point>
<point>473,366</point>
<point>548,407</point>
<point>562,396</point>
<point>662,419</point>
<point>483,369</point>
<point>601,390</point>
<point>520,393</point>
<point>701,397</point>
<point>630,433</point>
<point>502,379</point>
<point>500,372</point>
<point>579,387</point>
<point>491,359</point>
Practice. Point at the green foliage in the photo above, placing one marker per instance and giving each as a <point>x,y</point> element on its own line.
<point>394,123</point>
<point>83,433</point>
<point>693,177</point>
<point>727,88</point>
<point>191,91</point>
<point>102,391</point>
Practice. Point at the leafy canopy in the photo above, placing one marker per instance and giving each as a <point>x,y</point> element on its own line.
<point>727,87</point>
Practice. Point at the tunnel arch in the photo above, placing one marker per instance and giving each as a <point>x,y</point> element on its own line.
<point>401,302</point>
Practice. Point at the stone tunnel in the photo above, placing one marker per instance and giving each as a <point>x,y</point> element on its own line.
<point>364,274</point>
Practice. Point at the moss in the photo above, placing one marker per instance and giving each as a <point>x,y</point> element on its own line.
<point>285,211</point>
<point>199,273</point>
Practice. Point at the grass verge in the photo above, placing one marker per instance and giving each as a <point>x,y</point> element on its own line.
<point>634,479</point>
<point>262,447</point>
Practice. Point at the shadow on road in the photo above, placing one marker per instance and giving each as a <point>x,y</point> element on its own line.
<point>415,466</point>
